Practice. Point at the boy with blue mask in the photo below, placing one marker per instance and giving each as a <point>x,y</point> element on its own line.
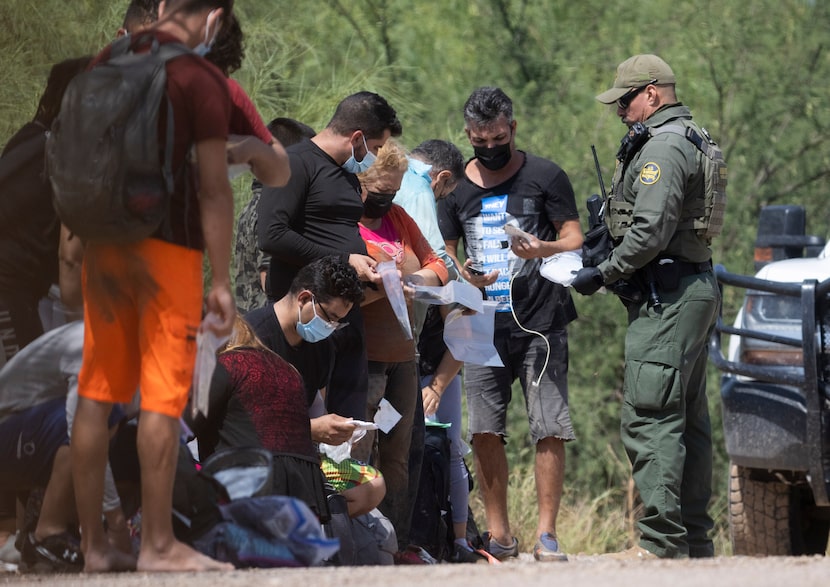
<point>298,327</point>
<point>317,328</point>
<point>316,214</point>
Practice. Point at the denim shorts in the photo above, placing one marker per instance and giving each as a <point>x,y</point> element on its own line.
<point>28,443</point>
<point>543,376</point>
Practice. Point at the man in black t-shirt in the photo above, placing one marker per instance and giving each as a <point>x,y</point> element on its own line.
<point>298,328</point>
<point>505,186</point>
<point>316,214</point>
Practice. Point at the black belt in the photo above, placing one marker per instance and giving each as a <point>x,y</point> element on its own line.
<point>687,268</point>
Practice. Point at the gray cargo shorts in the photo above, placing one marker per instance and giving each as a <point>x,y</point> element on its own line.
<point>545,387</point>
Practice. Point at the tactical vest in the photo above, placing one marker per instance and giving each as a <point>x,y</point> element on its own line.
<point>703,213</point>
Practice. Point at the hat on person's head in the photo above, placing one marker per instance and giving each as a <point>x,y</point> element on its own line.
<point>636,72</point>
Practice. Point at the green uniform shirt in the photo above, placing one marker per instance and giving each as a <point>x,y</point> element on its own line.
<point>661,177</point>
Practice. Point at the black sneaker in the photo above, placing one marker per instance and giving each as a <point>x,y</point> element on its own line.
<point>59,553</point>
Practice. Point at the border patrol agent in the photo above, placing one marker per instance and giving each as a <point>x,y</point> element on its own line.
<point>657,192</point>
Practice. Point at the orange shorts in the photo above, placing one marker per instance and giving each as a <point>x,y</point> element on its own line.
<point>142,308</point>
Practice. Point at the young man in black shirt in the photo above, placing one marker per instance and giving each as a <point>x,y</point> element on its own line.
<point>321,295</point>
<point>316,214</point>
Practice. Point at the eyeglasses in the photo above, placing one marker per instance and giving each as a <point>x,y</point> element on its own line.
<point>333,324</point>
<point>625,101</point>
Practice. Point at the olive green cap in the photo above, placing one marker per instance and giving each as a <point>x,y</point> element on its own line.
<point>636,72</point>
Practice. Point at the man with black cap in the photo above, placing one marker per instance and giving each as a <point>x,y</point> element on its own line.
<point>665,426</point>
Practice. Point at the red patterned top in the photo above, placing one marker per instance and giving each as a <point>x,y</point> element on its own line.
<point>256,399</point>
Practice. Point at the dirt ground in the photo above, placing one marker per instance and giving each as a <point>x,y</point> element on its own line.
<point>581,570</point>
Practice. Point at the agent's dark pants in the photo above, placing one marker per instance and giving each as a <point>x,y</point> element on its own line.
<point>665,417</point>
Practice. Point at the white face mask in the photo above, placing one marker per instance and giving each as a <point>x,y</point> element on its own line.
<point>205,46</point>
<point>354,166</point>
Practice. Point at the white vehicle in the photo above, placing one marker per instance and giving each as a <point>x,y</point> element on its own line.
<point>776,392</point>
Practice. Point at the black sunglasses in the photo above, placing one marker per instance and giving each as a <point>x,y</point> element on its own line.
<point>626,98</point>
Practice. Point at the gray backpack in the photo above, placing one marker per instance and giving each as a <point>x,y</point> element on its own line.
<point>111,177</point>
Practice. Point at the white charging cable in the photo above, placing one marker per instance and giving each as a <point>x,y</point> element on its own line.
<point>534,332</point>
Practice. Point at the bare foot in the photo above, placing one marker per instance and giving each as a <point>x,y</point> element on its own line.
<point>179,557</point>
<point>108,560</point>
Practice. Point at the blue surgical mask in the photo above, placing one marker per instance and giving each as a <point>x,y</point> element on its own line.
<point>315,329</point>
<point>205,46</point>
<point>354,166</point>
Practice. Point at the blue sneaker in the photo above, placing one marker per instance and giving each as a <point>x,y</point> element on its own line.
<point>547,549</point>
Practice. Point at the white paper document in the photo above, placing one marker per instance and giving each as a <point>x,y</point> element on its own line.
<point>470,338</point>
<point>455,292</point>
<point>387,416</point>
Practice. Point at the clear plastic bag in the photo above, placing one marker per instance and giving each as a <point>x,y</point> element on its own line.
<point>394,293</point>
<point>207,343</point>
<point>561,268</point>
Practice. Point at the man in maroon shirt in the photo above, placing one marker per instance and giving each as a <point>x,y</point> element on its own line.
<point>143,304</point>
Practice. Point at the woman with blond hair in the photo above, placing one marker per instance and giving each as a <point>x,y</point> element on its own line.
<point>391,234</point>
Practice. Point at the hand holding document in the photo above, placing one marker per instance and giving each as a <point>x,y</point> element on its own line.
<point>455,292</point>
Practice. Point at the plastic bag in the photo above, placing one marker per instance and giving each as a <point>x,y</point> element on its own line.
<point>207,343</point>
<point>394,293</point>
<point>268,531</point>
<point>561,268</point>
<point>455,292</point>
<point>340,452</point>
<point>470,338</point>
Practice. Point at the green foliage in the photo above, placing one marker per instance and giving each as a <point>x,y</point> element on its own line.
<point>34,36</point>
<point>754,72</point>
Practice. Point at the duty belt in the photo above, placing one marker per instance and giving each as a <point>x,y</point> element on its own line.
<point>688,268</point>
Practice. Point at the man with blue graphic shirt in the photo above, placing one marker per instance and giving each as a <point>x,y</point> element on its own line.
<point>502,186</point>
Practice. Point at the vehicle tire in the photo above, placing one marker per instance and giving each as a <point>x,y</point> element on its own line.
<point>759,515</point>
<point>769,518</point>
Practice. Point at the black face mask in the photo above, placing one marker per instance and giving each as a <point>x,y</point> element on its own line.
<point>493,158</point>
<point>377,204</point>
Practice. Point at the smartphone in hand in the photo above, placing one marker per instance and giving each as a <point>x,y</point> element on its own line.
<point>515,232</point>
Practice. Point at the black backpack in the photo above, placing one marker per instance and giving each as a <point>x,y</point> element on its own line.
<point>111,178</point>
<point>29,229</point>
<point>431,526</point>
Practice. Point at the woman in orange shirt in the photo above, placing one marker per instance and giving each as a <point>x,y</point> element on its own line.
<point>391,234</point>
